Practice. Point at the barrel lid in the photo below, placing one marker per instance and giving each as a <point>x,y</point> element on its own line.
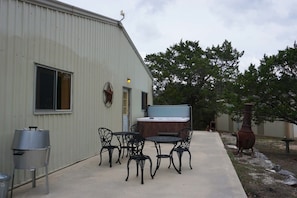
<point>30,139</point>
<point>4,177</point>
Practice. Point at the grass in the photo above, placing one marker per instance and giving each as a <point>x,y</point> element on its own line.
<point>243,171</point>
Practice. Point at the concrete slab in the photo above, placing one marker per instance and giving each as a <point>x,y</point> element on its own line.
<point>212,176</point>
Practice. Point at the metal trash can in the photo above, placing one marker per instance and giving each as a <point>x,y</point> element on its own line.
<point>4,183</point>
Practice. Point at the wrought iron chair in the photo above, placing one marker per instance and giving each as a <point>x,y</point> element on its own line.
<point>135,147</point>
<point>134,128</point>
<point>106,138</point>
<point>184,146</point>
<point>125,138</point>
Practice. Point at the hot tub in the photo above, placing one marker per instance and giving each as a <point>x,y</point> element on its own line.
<point>163,119</point>
<point>151,126</point>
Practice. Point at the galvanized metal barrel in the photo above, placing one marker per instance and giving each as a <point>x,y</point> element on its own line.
<point>30,148</point>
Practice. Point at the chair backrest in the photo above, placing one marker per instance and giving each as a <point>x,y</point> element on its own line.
<point>186,135</point>
<point>134,128</point>
<point>105,136</point>
<point>135,144</point>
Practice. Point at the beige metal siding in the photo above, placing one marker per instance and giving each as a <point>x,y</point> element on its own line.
<point>95,52</point>
<point>222,122</point>
<point>274,129</point>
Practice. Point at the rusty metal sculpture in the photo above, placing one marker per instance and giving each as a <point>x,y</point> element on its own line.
<point>245,136</point>
<point>107,94</point>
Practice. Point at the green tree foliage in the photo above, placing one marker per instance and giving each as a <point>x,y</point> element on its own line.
<point>225,59</point>
<point>187,74</point>
<point>243,90</point>
<point>272,87</point>
<point>277,92</point>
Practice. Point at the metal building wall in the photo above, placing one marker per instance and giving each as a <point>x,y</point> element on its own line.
<point>95,48</point>
<point>222,122</point>
<point>273,129</point>
<point>276,129</point>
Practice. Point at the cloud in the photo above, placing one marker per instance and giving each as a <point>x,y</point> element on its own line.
<point>256,12</point>
<point>153,6</point>
<point>257,27</point>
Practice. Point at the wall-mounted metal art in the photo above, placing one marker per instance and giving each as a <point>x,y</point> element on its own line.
<point>107,94</point>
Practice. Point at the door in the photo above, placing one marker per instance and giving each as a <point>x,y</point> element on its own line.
<point>126,109</point>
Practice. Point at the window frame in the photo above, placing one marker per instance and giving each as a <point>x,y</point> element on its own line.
<point>144,100</point>
<point>55,110</point>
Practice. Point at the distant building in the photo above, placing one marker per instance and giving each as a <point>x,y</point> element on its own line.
<point>273,129</point>
<point>69,71</point>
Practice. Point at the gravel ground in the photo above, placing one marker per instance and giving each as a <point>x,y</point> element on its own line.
<point>268,172</point>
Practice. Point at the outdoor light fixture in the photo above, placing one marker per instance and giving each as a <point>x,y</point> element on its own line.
<point>128,80</point>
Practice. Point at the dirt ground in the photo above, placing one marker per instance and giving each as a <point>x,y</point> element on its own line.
<point>270,172</point>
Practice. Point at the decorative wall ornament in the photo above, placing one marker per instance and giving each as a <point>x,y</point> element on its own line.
<point>107,94</point>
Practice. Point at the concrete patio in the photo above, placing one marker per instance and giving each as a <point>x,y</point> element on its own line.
<point>212,176</point>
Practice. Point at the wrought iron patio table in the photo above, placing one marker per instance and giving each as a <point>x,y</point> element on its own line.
<point>158,140</point>
<point>121,135</point>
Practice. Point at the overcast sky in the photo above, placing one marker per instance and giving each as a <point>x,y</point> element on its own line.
<point>256,27</point>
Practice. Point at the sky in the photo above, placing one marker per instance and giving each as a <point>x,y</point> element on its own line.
<point>256,27</point>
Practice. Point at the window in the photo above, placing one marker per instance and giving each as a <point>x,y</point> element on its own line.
<point>125,103</point>
<point>53,89</point>
<point>143,100</point>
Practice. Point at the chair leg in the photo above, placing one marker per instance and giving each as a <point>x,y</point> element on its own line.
<point>151,168</point>
<point>142,163</point>
<point>100,156</point>
<point>180,154</point>
<point>128,169</point>
<point>190,159</point>
<point>120,151</point>
<point>169,163</point>
<point>110,151</point>
<point>170,158</point>
<point>137,167</point>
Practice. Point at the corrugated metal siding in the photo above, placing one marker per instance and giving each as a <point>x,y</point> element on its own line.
<point>276,129</point>
<point>222,122</point>
<point>93,51</point>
